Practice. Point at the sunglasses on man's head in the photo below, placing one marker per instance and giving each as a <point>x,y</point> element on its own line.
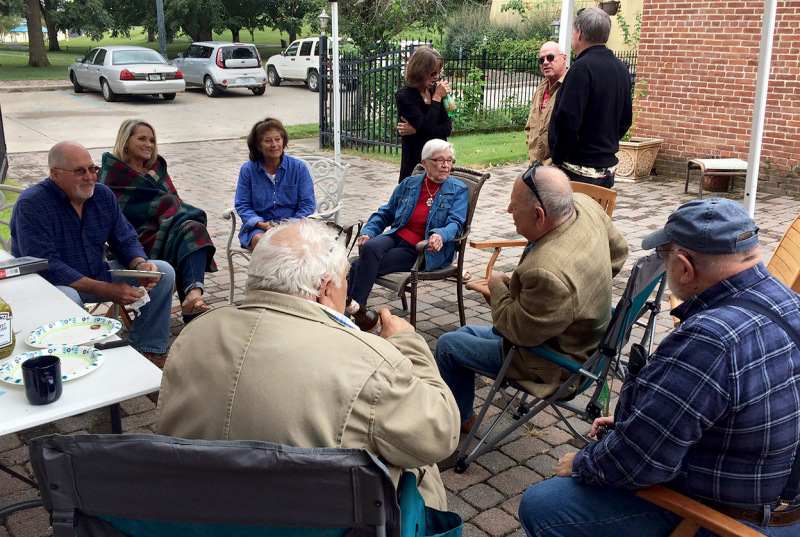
<point>549,57</point>
<point>529,178</point>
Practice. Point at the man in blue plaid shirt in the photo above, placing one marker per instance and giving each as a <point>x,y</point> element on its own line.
<point>714,414</point>
<point>68,219</point>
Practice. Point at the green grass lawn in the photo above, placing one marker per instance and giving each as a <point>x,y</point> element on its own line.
<point>476,151</point>
<point>14,62</point>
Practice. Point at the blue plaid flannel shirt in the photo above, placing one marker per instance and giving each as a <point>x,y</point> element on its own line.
<point>44,224</point>
<point>715,413</point>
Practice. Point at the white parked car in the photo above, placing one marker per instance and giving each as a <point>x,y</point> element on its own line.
<point>119,70</point>
<point>218,65</point>
<point>300,61</point>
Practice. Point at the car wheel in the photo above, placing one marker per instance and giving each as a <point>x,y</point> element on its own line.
<point>108,93</point>
<point>168,96</point>
<point>211,89</point>
<point>272,76</point>
<point>259,90</point>
<point>75,86</point>
<point>313,81</point>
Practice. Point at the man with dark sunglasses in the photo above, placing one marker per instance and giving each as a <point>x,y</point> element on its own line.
<point>593,110</point>
<point>553,63</point>
<point>559,296</point>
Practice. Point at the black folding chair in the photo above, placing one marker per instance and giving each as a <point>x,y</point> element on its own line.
<point>124,485</point>
<point>647,280</point>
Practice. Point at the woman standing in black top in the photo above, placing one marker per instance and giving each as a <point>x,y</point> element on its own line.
<point>422,116</point>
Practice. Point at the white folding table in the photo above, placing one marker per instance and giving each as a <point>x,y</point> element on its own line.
<point>124,374</point>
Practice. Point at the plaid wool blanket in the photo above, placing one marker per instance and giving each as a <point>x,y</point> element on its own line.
<point>168,228</point>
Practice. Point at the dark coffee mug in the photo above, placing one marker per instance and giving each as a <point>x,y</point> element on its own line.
<point>42,379</point>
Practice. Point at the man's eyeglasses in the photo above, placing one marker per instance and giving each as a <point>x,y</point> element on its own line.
<point>529,178</point>
<point>549,57</point>
<point>94,170</point>
<point>440,161</point>
<point>661,252</point>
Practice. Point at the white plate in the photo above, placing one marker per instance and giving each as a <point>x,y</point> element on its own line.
<point>75,362</point>
<point>125,273</point>
<point>75,331</point>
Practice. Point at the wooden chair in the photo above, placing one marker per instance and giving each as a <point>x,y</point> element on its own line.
<point>406,282</point>
<point>695,514</point>
<point>328,176</point>
<point>5,205</point>
<point>784,263</point>
<point>604,196</point>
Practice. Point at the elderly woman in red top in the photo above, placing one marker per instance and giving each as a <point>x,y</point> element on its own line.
<point>431,205</point>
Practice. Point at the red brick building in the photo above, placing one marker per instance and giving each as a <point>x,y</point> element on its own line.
<point>700,58</point>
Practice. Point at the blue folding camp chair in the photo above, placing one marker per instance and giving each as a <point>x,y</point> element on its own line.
<point>642,297</point>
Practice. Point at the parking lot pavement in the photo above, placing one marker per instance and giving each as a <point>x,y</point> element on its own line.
<point>35,121</point>
<point>487,495</point>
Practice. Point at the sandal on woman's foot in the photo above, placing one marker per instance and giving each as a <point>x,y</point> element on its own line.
<point>198,308</point>
<point>466,276</point>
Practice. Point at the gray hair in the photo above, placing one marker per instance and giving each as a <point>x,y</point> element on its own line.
<point>435,145</point>
<point>554,188</point>
<point>595,25</point>
<point>294,257</point>
<point>57,153</point>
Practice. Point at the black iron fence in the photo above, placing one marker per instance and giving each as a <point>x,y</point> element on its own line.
<point>489,90</point>
<point>3,151</point>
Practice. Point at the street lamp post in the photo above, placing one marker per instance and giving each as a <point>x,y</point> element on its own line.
<point>323,78</point>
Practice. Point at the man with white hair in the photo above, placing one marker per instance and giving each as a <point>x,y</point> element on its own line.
<point>593,110</point>
<point>287,366</point>
<point>553,63</point>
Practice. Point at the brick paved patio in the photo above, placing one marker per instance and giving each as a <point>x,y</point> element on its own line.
<point>488,494</point>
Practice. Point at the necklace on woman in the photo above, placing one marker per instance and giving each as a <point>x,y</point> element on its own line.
<point>425,98</point>
<point>430,196</point>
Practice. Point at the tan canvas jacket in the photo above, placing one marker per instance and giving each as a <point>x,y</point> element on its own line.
<point>539,122</point>
<point>278,369</point>
<point>559,295</point>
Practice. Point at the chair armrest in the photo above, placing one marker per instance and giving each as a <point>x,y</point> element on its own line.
<point>230,214</point>
<point>498,243</point>
<point>700,514</point>
<point>227,214</point>
<point>674,302</point>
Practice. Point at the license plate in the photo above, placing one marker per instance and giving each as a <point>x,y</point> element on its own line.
<point>247,81</point>
<point>153,77</point>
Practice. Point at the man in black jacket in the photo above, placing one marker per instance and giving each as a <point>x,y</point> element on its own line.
<point>593,108</point>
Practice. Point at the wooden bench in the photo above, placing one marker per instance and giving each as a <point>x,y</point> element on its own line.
<point>731,167</point>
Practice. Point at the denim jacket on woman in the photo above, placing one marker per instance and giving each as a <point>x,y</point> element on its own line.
<point>446,216</point>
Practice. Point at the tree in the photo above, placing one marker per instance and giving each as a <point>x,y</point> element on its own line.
<point>49,8</point>
<point>90,16</point>
<point>239,14</point>
<point>289,15</point>
<point>197,18</point>
<point>37,55</point>
<point>11,13</point>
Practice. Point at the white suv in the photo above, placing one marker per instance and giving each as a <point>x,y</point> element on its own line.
<point>218,65</point>
<point>298,62</point>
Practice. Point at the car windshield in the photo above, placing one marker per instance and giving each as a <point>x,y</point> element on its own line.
<point>238,53</point>
<point>127,57</point>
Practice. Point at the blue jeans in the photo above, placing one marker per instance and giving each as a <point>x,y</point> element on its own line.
<point>470,345</point>
<point>564,507</point>
<point>150,330</point>
<point>380,255</point>
<point>191,272</point>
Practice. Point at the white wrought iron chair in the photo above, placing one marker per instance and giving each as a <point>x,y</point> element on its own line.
<point>328,176</point>
<point>4,206</point>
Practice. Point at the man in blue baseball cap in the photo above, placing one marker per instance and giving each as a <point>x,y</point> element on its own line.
<point>714,413</point>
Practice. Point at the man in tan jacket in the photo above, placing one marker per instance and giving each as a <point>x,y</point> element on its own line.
<point>553,63</point>
<point>559,296</point>
<point>288,367</point>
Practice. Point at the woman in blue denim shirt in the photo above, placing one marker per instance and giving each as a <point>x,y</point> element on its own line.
<point>272,186</point>
<point>431,205</point>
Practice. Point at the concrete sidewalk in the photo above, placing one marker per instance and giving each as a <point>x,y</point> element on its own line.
<point>488,494</point>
